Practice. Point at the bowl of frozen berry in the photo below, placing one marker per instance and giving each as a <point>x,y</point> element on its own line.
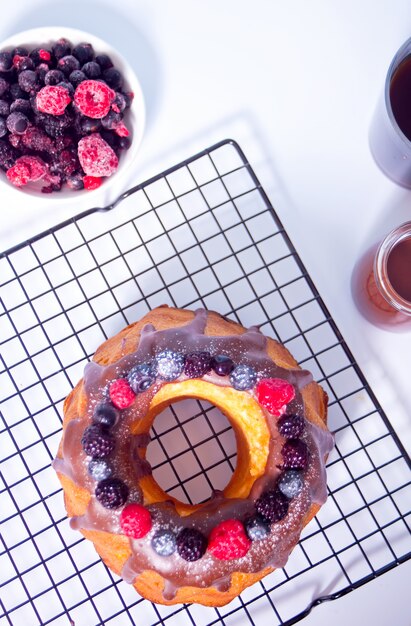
<point>71,112</point>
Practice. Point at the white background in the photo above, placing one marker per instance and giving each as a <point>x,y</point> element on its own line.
<point>296,83</point>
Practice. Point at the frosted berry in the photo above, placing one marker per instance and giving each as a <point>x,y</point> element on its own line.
<point>121,394</point>
<point>197,364</point>
<point>243,377</point>
<point>91,182</point>
<point>291,426</point>
<point>104,61</point>
<point>222,365</point>
<point>40,55</point>
<point>135,521</point>
<point>295,454</point>
<point>26,169</point>
<point>52,99</point>
<point>17,122</point>
<point>99,469</point>
<point>228,540</point>
<point>53,77</point>
<point>274,394</point>
<point>91,69</point>
<point>272,505</point>
<point>112,120</point>
<point>61,48</point>
<point>5,108</point>
<point>97,441</point>
<point>256,527</point>
<point>6,61</point>
<point>141,377</point>
<point>164,542</point>
<point>97,158</point>
<point>37,140</point>
<point>291,483</point>
<point>105,414</point>
<point>93,98</point>
<point>112,493</point>
<point>76,77</point>
<point>83,52</point>
<point>191,544</point>
<point>113,78</point>
<point>68,64</point>
<point>28,80</point>
<point>169,364</point>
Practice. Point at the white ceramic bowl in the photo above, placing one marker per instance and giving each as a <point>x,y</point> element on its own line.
<point>134,117</point>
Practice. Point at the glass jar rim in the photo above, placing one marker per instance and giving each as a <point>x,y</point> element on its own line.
<point>402,53</point>
<point>384,250</point>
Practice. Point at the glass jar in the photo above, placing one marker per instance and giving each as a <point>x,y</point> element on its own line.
<point>381,281</point>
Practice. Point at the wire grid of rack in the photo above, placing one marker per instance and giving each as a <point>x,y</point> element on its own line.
<point>201,234</point>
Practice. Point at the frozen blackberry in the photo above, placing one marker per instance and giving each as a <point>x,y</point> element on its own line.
<point>99,469</point>
<point>197,364</point>
<point>68,64</point>
<point>105,414</point>
<point>243,377</point>
<point>191,544</point>
<point>54,77</point>
<point>222,365</point>
<point>8,155</point>
<point>83,52</point>
<point>4,108</point>
<point>256,527</point>
<point>76,77</point>
<point>164,542</point>
<point>28,80</point>
<point>97,441</point>
<point>6,61</point>
<point>112,493</point>
<point>141,377</point>
<point>291,483</point>
<point>272,505</point>
<point>295,454</point>
<point>113,78</point>
<point>104,61</point>
<point>291,426</point>
<point>169,364</point>
<point>91,69</point>
<point>17,122</point>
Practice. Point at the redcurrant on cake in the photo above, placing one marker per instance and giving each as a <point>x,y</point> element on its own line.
<point>169,550</point>
<point>63,116</point>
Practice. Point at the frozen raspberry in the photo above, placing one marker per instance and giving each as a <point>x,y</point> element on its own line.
<point>26,169</point>
<point>121,394</point>
<point>274,394</point>
<point>121,130</point>
<point>228,540</point>
<point>37,140</point>
<point>197,364</point>
<point>112,493</point>
<point>135,521</point>
<point>52,99</point>
<point>291,426</point>
<point>295,454</point>
<point>191,544</point>
<point>94,98</point>
<point>91,182</point>
<point>272,505</point>
<point>96,157</point>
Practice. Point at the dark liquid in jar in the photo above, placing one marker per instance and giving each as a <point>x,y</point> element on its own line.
<point>399,268</point>
<point>400,96</point>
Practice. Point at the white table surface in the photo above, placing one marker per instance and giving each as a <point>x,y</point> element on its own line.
<point>295,83</point>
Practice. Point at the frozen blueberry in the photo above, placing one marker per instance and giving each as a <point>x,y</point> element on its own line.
<point>164,542</point>
<point>75,181</point>
<point>23,63</point>
<point>112,493</point>
<point>41,71</point>
<point>243,377</point>
<point>89,125</point>
<point>76,77</point>
<point>17,123</point>
<point>222,365</point>
<point>53,77</point>
<point>124,143</point>
<point>197,364</point>
<point>40,55</point>
<point>28,80</point>
<point>83,52</point>
<point>256,527</point>
<point>3,127</point>
<point>61,48</point>
<point>8,155</point>
<point>291,483</point>
<point>4,108</point>
<point>105,414</point>
<point>104,61</point>
<point>99,469</point>
<point>67,85</point>
<point>119,103</point>
<point>191,544</point>
<point>68,64</point>
<point>20,51</point>
<point>111,120</point>
<point>6,61</point>
<point>23,106</point>
<point>169,364</point>
<point>113,78</point>
<point>17,92</point>
<point>141,377</point>
<point>3,86</point>
<point>91,69</point>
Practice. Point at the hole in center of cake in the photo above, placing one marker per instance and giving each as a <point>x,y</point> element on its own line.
<point>193,450</point>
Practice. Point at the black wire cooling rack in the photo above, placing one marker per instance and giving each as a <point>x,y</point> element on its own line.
<point>202,233</point>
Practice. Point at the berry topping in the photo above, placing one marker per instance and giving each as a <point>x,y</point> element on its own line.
<point>169,364</point>
<point>191,544</point>
<point>94,98</point>
<point>121,394</point>
<point>105,414</point>
<point>295,454</point>
<point>272,505</point>
<point>197,364</point>
<point>222,365</point>
<point>99,469</point>
<point>135,521</point>
<point>256,527</point>
<point>291,426</point>
<point>96,156</point>
<point>112,493</point>
<point>291,483</point>
<point>141,377</point>
<point>97,441</point>
<point>17,122</point>
<point>274,394</point>
<point>52,99</point>
<point>164,542</point>
<point>243,377</point>
<point>228,540</point>
<point>89,182</point>
<point>26,169</point>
